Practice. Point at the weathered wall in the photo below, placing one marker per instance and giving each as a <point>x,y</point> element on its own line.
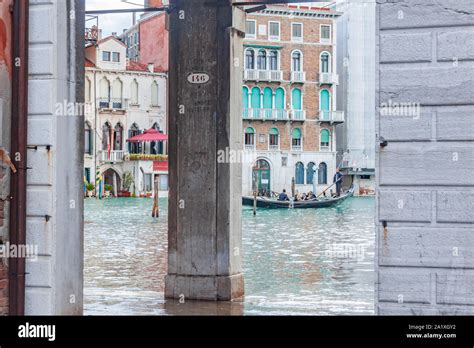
<point>425,257</point>
<point>55,281</point>
<point>5,120</point>
<point>154,41</point>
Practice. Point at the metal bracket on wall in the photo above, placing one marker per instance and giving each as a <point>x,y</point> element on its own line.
<point>383,142</point>
<point>35,147</point>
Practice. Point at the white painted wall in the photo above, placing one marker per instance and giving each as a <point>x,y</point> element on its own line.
<point>54,283</point>
<point>356,92</point>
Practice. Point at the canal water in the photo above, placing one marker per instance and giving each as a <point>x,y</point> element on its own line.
<point>296,262</point>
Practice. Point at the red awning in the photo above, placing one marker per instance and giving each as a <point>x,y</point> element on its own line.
<point>148,135</point>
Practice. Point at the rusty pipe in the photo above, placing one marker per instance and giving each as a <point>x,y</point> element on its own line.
<point>19,151</point>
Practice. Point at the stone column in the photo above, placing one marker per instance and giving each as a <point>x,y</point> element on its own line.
<point>205,79</point>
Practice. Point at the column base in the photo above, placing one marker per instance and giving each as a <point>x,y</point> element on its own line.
<point>207,288</point>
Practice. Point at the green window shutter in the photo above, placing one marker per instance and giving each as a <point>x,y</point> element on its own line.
<point>325,136</point>
<point>267,98</point>
<point>245,97</point>
<point>274,131</point>
<point>249,130</point>
<point>325,100</point>
<point>256,98</point>
<point>296,99</point>
<point>296,133</point>
<point>280,99</point>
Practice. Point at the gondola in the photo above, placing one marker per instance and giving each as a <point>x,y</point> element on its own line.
<point>321,202</point>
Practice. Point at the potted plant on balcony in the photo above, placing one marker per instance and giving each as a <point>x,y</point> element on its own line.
<point>90,189</point>
<point>108,189</point>
<point>127,182</point>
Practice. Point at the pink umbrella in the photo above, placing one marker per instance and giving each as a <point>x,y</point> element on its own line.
<point>148,136</point>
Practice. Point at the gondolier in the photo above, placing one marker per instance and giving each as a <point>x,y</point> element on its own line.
<point>338,181</point>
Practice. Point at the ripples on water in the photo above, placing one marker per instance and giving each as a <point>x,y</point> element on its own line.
<point>308,261</point>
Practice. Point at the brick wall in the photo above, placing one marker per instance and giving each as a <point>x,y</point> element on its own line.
<point>425,257</point>
<point>311,49</point>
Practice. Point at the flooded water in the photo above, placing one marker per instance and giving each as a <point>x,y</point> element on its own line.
<point>296,262</point>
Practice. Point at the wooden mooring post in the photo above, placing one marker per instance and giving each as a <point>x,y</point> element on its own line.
<point>205,78</point>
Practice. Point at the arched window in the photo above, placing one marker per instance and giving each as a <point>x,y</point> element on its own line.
<point>249,59</point>
<point>325,139</point>
<point>296,61</point>
<point>296,139</point>
<point>106,136</point>
<point>255,102</point>
<point>274,139</point>
<point>325,105</point>
<point>268,102</point>
<point>88,90</point>
<point>154,94</point>
<point>249,138</point>
<point>134,147</point>
<point>134,94</point>
<point>89,140</point>
<point>118,137</point>
<point>262,60</point>
<point>296,99</point>
<point>299,173</point>
<point>280,102</point>
<point>273,60</point>
<point>310,173</point>
<point>156,147</point>
<point>323,174</point>
<point>245,101</point>
<point>117,91</point>
<point>104,101</point>
<point>325,62</point>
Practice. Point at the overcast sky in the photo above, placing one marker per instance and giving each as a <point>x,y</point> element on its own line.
<point>113,22</point>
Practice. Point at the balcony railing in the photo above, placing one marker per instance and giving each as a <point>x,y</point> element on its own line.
<point>265,114</point>
<point>331,116</point>
<point>328,79</point>
<point>114,156</point>
<point>114,103</point>
<point>273,147</point>
<point>296,147</point>
<point>146,157</point>
<point>298,115</point>
<point>249,147</point>
<point>263,75</point>
<point>298,76</point>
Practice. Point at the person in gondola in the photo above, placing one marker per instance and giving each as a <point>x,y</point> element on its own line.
<point>338,180</point>
<point>297,197</point>
<point>310,196</point>
<point>283,196</point>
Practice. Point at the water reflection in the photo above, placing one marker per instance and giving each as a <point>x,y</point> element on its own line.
<point>295,261</point>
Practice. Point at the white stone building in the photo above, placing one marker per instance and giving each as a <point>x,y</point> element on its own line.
<point>123,98</point>
<point>356,92</point>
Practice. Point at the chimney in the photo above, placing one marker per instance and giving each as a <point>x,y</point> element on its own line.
<point>151,67</point>
<point>153,3</point>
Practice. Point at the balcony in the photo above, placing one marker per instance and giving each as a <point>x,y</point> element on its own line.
<point>249,147</point>
<point>115,104</point>
<point>265,114</point>
<point>331,116</point>
<point>263,75</point>
<point>146,157</point>
<point>273,147</point>
<point>298,115</point>
<point>296,148</point>
<point>298,77</point>
<point>112,157</point>
<point>328,79</point>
